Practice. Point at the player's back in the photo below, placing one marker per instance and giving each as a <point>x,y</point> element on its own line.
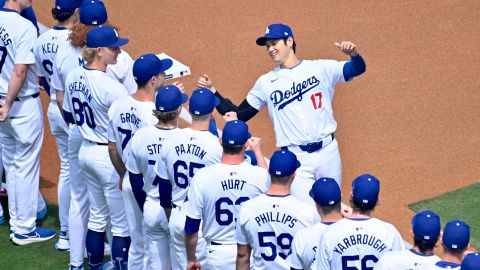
<point>89,95</point>
<point>268,224</point>
<point>408,259</point>
<point>183,155</point>
<point>216,193</point>
<point>441,265</point>
<point>126,116</point>
<point>17,37</point>
<point>356,242</point>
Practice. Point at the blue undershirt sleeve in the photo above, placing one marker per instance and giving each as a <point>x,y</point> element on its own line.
<point>354,67</point>
<point>165,189</point>
<point>192,225</point>
<point>68,116</point>
<point>29,14</point>
<point>213,127</point>
<point>45,85</point>
<point>136,180</point>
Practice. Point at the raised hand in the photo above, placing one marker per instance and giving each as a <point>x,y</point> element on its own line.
<point>347,47</point>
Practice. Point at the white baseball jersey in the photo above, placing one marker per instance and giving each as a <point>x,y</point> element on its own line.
<point>268,224</point>
<point>88,96</point>
<point>443,265</point>
<point>216,193</point>
<point>183,155</point>
<point>126,116</point>
<point>356,243</point>
<point>408,259</point>
<point>143,151</point>
<point>17,38</point>
<point>45,50</point>
<point>299,100</point>
<point>304,246</point>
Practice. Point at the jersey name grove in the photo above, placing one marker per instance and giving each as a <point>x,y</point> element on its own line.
<point>283,98</point>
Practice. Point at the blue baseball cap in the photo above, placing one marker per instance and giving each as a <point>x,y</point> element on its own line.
<point>104,36</point>
<point>202,101</point>
<point>93,12</point>
<point>283,163</point>
<point>275,31</point>
<point>426,225</point>
<point>169,98</point>
<point>67,5</point>
<point>325,192</point>
<point>365,189</point>
<point>456,234</point>
<point>235,133</point>
<point>471,262</point>
<point>149,65</point>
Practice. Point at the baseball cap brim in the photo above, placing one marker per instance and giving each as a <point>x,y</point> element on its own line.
<point>166,64</point>
<point>120,42</point>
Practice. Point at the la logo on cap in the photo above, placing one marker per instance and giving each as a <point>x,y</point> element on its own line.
<point>116,34</point>
<point>267,31</point>
<point>286,34</point>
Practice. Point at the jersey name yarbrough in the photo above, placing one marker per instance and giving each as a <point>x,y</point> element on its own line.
<point>295,92</point>
<point>360,239</point>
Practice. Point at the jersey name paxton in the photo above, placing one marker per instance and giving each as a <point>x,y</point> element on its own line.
<point>283,98</point>
<point>360,239</point>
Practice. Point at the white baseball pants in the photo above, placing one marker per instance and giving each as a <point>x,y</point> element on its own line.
<point>156,228</point>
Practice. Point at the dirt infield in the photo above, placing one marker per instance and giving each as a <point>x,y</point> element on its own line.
<point>411,119</point>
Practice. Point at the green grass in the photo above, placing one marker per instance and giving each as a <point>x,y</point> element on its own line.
<point>461,204</point>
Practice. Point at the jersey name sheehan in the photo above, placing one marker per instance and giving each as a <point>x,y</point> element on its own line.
<point>360,239</point>
<point>295,92</point>
<point>276,217</point>
<point>80,87</point>
<point>191,149</point>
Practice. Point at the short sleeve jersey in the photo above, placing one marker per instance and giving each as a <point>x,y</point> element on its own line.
<point>406,259</point>
<point>17,38</point>
<point>299,100</point>
<point>268,224</point>
<point>88,96</point>
<point>183,155</point>
<point>216,193</point>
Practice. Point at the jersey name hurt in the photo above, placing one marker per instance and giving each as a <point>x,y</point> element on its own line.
<point>4,36</point>
<point>276,217</point>
<point>283,98</point>
<point>191,149</point>
<point>360,239</point>
<point>233,184</point>
<point>131,118</point>
<point>82,88</point>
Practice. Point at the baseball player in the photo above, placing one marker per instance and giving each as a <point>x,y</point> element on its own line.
<point>215,195</point>
<point>143,151</point>
<point>471,262</point>
<point>327,196</point>
<point>179,159</point>
<point>21,122</point>
<point>45,49</point>
<point>425,232</point>
<point>455,241</point>
<point>359,241</point>
<point>299,94</point>
<point>268,223</point>
<point>28,13</point>
<point>90,93</point>
<point>126,116</point>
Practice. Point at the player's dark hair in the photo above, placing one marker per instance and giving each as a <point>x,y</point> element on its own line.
<point>453,251</point>
<point>281,180</point>
<point>232,149</point>
<point>362,208</point>
<point>201,118</point>
<point>141,84</point>
<point>61,16</point>
<point>424,245</point>
<point>327,210</point>
<point>294,46</point>
<point>166,117</point>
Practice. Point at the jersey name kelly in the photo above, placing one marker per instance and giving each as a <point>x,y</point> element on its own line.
<point>283,98</point>
<point>49,48</point>
<point>360,239</point>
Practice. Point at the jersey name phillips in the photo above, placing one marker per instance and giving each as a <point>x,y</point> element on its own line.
<point>275,217</point>
<point>294,93</point>
<point>360,239</point>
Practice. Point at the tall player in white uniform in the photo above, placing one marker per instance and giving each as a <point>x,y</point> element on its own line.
<point>143,151</point>
<point>21,122</point>
<point>90,93</point>
<point>65,13</point>
<point>268,223</point>
<point>425,231</point>
<point>126,116</point>
<point>359,241</point>
<point>180,157</point>
<point>299,97</point>
<point>215,195</point>
<point>327,196</point>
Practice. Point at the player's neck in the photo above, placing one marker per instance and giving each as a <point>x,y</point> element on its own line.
<point>332,217</point>
<point>144,94</point>
<point>358,215</point>
<point>13,6</point>
<point>291,61</point>
<point>277,189</point>
<point>168,125</point>
<point>452,258</point>
<point>69,23</point>
<point>200,125</point>
<point>427,252</point>
<point>234,159</point>
<point>98,66</point>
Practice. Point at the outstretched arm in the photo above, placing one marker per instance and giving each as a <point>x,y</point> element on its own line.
<point>356,65</point>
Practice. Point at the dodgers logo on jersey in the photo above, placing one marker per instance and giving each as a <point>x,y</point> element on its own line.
<point>296,92</point>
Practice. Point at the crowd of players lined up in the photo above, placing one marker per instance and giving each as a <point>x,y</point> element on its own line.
<point>171,198</point>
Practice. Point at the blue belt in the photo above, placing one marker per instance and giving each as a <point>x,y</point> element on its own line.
<point>311,147</point>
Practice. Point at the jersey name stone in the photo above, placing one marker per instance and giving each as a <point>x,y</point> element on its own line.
<point>191,149</point>
<point>283,98</point>
<point>154,148</point>
<point>4,36</point>
<point>360,239</point>
<point>276,217</point>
